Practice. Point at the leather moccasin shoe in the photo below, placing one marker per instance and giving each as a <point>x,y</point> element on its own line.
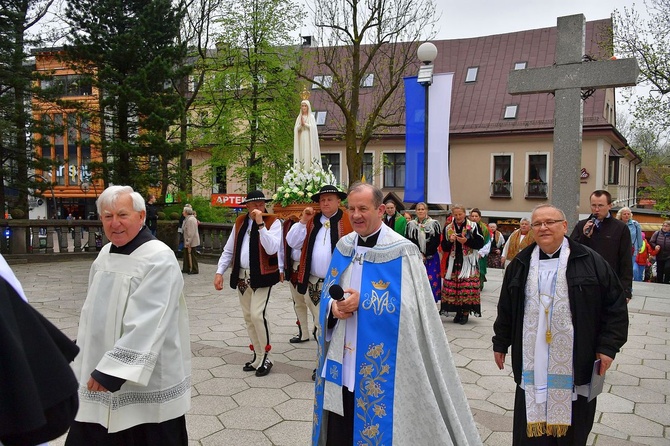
<point>297,340</point>
<point>248,367</point>
<point>264,369</point>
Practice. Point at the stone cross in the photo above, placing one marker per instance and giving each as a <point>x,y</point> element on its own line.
<point>566,79</point>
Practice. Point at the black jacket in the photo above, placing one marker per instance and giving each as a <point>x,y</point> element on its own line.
<point>612,241</point>
<point>660,239</point>
<point>597,304</point>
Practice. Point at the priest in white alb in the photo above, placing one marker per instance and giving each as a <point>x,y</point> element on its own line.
<point>134,369</point>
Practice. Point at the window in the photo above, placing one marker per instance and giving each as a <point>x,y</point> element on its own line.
<point>471,75</point>
<point>68,85</point>
<point>510,111</point>
<point>537,176</point>
<point>368,171</point>
<point>368,80</point>
<point>59,143</point>
<point>502,172</point>
<point>520,65</point>
<point>326,81</point>
<point>45,141</point>
<point>332,160</point>
<point>85,131</point>
<point>72,165</point>
<point>220,180</point>
<point>320,117</point>
<point>394,170</point>
<point>613,172</point>
<point>537,168</point>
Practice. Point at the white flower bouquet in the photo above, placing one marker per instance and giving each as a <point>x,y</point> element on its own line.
<point>300,183</point>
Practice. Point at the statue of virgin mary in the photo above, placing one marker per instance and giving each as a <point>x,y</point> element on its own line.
<point>306,148</point>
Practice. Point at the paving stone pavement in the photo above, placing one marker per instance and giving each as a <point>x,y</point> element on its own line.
<point>231,407</point>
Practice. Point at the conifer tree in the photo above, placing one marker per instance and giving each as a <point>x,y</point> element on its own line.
<point>131,53</point>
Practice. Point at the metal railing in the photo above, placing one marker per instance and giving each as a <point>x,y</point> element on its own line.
<point>25,238</point>
<point>501,189</point>
<point>536,189</point>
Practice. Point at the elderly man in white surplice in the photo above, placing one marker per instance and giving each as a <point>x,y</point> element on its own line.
<point>305,138</point>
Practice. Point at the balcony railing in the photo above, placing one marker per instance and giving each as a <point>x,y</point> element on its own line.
<point>32,237</point>
<point>536,189</point>
<point>501,189</point>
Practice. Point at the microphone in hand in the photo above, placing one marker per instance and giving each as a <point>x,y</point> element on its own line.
<point>593,220</point>
<point>336,292</point>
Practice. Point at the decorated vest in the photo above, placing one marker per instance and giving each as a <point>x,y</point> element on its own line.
<point>516,246</point>
<point>339,220</point>
<point>264,268</point>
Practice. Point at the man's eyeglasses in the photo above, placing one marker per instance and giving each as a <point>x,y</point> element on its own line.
<point>548,224</point>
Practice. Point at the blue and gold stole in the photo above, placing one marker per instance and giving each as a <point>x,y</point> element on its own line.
<point>376,349</point>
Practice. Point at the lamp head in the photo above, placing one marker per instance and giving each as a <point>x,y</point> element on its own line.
<point>427,52</point>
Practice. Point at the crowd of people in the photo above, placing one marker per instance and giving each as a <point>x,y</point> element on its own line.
<point>369,277</point>
<point>375,282</point>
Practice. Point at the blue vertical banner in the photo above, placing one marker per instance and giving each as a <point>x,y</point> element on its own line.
<point>415,125</point>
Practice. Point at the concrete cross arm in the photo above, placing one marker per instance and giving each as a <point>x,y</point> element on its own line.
<point>585,75</point>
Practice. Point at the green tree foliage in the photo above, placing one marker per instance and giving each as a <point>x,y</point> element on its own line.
<point>204,210</point>
<point>648,40</point>
<point>249,101</point>
<point>197,32</point>
<point>17,17</point>
<point>131,53</point>
<point>357,39</point>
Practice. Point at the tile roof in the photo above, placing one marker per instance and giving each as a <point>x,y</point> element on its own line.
<point>478,107</point>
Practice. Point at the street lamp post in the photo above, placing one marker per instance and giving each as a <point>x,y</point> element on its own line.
<point>427,52</point>
<point>51,188</point>
<point>85,186</point>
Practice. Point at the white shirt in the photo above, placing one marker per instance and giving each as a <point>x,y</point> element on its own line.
<point>270,240</point>
<point>321,252</point>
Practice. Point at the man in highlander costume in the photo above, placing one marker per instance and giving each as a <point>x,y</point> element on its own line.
<point>381,378</point>
<point>561,308</point>
<point>316,235</point>
<point>252,253</point>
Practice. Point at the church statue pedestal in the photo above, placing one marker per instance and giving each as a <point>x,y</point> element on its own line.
<point>292,210</point>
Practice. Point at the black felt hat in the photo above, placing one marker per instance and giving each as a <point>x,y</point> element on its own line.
<point>256,195</point>
<point>329,189</point>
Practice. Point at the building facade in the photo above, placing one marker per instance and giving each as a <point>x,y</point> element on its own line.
<point>68,140</point>
<point>501,146</point>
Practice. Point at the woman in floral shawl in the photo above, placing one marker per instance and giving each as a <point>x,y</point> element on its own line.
<point>460,242</point>
<point>424,232</point>
<point>476,217</point>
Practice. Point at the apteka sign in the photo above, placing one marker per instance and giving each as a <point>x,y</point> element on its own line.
<point>228,200</point>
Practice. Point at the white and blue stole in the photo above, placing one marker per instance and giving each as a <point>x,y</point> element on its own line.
<point>376,348</point>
